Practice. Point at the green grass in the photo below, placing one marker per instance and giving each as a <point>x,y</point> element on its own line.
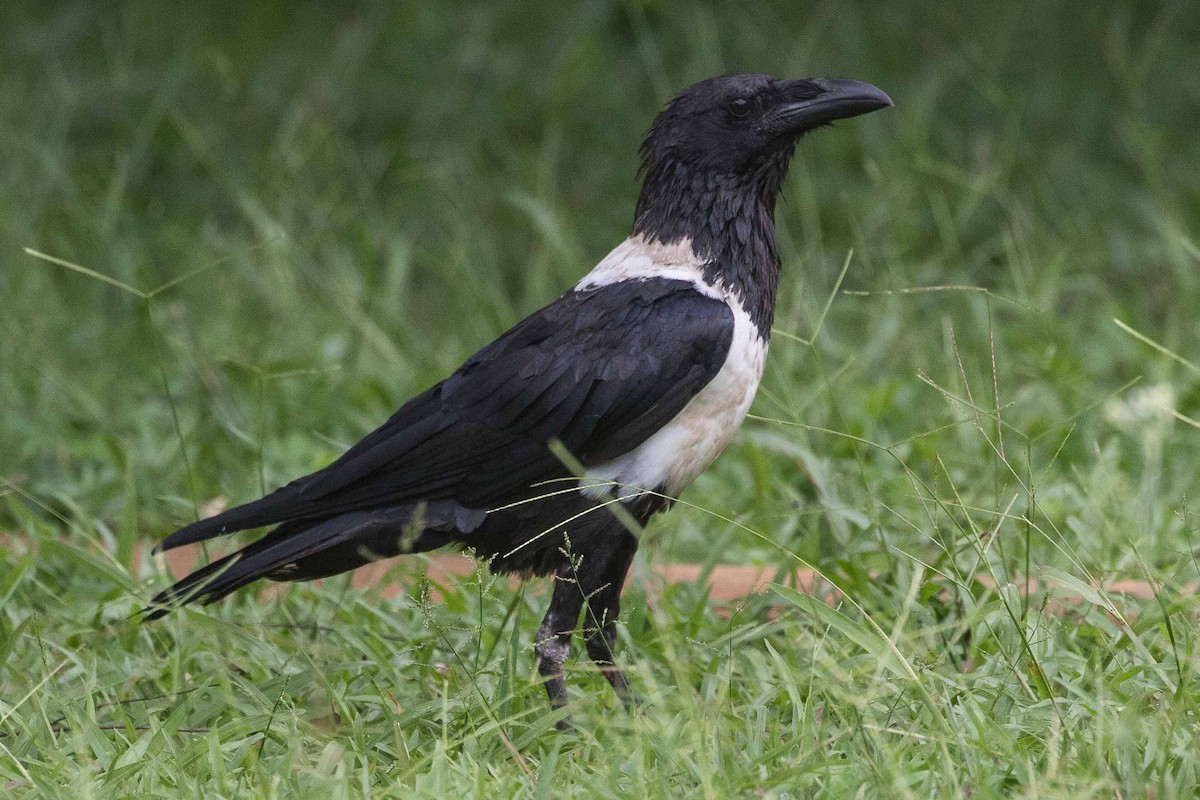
<point>286,219</point>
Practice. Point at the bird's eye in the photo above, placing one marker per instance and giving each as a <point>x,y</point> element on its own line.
<point>739,107</point>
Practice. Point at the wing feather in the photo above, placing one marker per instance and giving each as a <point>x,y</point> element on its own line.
<point>599,370</point>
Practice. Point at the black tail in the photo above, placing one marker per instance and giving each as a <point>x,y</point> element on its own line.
<point>309,549</point>
<point>276,507</point>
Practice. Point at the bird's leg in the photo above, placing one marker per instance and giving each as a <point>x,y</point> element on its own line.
<point>554,640</point>
<point>593,580</point>
<point>603,608</point>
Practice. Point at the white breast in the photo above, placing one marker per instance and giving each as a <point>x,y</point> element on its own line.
<point>672,458</point>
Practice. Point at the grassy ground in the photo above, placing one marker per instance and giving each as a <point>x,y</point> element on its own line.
<point>303,215</point>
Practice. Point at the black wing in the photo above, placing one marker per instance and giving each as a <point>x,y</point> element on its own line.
<point>599,370</point>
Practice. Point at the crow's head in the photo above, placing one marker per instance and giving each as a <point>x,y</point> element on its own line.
<point>738,124</point>
<point>722,146</point>
<point>714,160</point>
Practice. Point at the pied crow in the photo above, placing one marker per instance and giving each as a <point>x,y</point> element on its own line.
<point>547,448</point>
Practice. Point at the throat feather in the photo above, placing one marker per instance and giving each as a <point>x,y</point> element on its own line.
<point>729,224</point>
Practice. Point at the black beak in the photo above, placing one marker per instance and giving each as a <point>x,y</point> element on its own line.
<point>836,98</point>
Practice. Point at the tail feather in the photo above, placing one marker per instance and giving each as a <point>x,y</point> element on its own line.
<point>307,549</point>
<point>276,507</point>
<point>207,585</point>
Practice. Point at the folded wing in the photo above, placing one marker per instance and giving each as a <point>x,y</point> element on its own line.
<point>598,370</point>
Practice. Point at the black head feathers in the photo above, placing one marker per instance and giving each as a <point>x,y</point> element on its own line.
<point>714,161</point>
<point>738,124</point>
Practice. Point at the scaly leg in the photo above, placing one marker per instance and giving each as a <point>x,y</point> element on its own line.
<point>554,641</point>
<point>603,607</point>
<point>593,580</point>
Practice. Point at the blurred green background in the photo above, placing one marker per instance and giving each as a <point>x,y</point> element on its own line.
<point>316,210</point>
